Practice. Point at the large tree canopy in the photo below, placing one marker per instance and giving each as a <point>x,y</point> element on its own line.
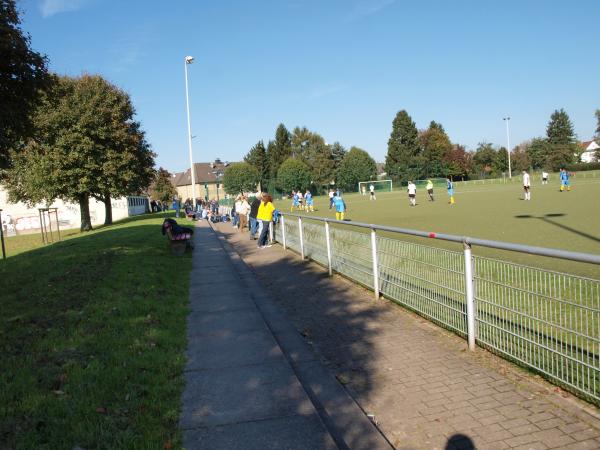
<point>403,161</point>
<point>561,140</point>
<point>22,74</point>
<point>257,157</point>
<point>312,149</point>
<point>162,188</point>
<point>436,147</point>
<point>240,177</point>
<point>293,175</point>
<point>356,166</point>
<point>86,144</point>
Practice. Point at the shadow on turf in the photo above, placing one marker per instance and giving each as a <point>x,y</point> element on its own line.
<point>548,219</point>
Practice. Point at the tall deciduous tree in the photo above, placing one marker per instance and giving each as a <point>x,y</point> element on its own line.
<point>240,177</point>
<point>436,145</point>
<point>484,158</point>
<point>311,148</point>
<point>293,175</point>
<point>562,140</point>
<point>86,144</point>
<point>500,164</point>
<point>403,160</point>
<point>162,188</point>
<point>279,150</point>
<point>22,74</point>
<point>459,162</point>
<point>338,152</point>
<point>257,157</point>
<point>538,152</point>
<point>356,166</point>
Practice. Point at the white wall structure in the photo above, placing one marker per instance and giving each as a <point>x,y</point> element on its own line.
<point>25,219</point>
<point>589,151</point>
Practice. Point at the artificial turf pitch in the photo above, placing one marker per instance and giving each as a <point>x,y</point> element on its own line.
<point>562,220</point>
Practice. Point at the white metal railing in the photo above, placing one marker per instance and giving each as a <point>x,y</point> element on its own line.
<point>546,320</point>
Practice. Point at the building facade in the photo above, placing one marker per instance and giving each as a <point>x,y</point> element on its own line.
<point>589,149</point>
<point>208,181</point>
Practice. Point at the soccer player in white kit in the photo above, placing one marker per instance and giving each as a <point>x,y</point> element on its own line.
<point>372,192</point>
<point>412,193</point>
<point>526,185</point>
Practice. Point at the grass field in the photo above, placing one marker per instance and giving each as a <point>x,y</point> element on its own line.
<point>567,220</point>
<point>92,339</point>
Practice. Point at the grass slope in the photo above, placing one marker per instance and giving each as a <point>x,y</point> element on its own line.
<point>92,339</point>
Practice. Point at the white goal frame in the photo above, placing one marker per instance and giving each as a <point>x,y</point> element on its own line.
<point>374,183</point>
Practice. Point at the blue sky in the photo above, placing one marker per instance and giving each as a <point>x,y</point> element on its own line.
<point>343,68</point>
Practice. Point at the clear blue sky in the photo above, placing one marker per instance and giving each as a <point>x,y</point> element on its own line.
<point>342,68</point>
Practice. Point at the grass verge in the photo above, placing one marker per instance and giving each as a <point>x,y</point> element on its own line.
<point>92,339</point>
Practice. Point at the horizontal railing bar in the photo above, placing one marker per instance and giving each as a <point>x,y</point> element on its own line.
<point>521,248</point>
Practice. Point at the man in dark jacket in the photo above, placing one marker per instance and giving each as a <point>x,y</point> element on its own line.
<point>252,216</point>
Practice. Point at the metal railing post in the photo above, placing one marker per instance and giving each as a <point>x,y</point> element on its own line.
<point>283,231</point>
<point>469,291</point>
<point>328,240</point>
<point>375,263</point>
<point>301,237</point>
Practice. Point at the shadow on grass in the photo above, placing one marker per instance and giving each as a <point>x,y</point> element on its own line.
<point>547,218</point>
<point>93,333</point>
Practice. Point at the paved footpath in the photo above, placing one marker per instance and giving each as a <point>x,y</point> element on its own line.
<point>424,388</point>
<point>251,380</point>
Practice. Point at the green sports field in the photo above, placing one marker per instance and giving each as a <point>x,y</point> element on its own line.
<point>567,220</point>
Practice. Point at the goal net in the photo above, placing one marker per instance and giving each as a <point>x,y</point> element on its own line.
<point>378,185</point>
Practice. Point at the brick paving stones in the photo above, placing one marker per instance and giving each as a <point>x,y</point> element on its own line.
<point>424,388</point>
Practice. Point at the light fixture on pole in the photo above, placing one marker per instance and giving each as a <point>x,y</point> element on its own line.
<point>506,120</point>
<point>190,60</point>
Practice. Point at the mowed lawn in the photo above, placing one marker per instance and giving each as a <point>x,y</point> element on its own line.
<point>568,220</point>
<point>92,340</point>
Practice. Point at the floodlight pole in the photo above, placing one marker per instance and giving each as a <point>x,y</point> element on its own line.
<point>507,119</point>
<point>189,60</point>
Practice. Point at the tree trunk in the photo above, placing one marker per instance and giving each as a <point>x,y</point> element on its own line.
<point>84,206</point>
<point>108,219</point>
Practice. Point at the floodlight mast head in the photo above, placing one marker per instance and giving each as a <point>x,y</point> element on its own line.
<point>189,59</point>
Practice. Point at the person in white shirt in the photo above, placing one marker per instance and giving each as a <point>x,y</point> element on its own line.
<point>372,192</point>
<point>243,209</point>
<point>301,200</point>
<point>412,193</point>
<point>526,185</point>
<point>331,195</point>
<point>544,177</point>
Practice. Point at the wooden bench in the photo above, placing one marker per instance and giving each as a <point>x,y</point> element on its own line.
<point>179,243</point>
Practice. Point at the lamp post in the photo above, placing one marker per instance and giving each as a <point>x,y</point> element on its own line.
<point>190,60</point>
<point>506,120</point>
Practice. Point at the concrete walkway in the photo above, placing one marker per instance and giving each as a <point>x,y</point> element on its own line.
<point>424,388</point>
<point>251,380</point>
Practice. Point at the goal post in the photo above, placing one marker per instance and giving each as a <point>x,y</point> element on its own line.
<point>378,185</point>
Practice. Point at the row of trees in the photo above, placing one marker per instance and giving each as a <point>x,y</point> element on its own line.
<point>414,154</point>
<point>72,138</point>
<point>302,158</point>
<point>299,159</point>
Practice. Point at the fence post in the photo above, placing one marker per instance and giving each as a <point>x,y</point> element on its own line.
<point>328,240</point>
<point>283,231</point>
<point>301,237</point>
<point>470,296</point>
<point>2,236</point>
<point>375,263</point>
<point>271,232</point>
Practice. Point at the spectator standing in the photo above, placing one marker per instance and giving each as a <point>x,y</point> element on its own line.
<point>252,215</point>
<point>243,208</point>
<point>265,215</point>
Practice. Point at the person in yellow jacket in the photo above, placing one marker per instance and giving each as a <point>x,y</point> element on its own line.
<point>265,216</point>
